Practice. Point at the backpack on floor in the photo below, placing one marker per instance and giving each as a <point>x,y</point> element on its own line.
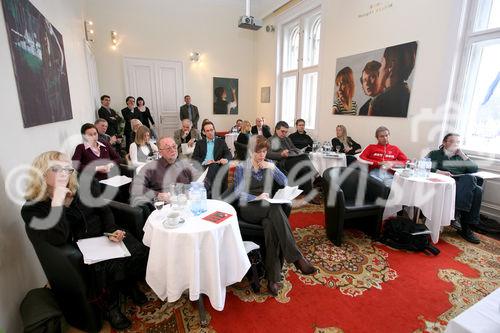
<point>402,233</point>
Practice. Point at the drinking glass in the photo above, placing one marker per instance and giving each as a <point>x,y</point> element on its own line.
<point>158,203</point>
<point>337,149</point>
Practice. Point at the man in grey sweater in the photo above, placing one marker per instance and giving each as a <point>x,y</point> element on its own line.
<point>291,160</point>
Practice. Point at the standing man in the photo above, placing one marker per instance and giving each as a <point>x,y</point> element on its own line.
<point>128,114</point>
<point>189,111</point>
<point>260,128</point>
<point>110,115</point>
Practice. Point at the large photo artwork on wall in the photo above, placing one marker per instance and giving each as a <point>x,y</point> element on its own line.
<point>39,64</point>
<point>225,96</point>
<point>375,83</point>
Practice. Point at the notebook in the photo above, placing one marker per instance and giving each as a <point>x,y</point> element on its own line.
<point>97,249</point>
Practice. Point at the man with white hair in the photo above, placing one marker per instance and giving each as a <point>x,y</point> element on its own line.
<point>187,135</point>
<point>260,128</point>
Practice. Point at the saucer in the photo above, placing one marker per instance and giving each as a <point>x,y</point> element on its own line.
<point>168,226</point>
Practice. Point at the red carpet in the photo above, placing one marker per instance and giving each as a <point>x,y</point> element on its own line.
<point>362,286</point>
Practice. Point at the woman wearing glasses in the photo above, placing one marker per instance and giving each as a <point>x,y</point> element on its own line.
<point>99,157</point>
<point>56,214</point>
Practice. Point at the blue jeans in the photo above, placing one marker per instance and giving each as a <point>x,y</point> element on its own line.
<point>468,198</point>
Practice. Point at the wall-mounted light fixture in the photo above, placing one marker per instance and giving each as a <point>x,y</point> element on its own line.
<point>89,31</point>
<point>270,28</point>
<point>194,56</point>
<point>114,40</point>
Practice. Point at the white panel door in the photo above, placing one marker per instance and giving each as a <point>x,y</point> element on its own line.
<point>160,83</point>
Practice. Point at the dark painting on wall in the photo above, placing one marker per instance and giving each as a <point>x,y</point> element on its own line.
<point>39,64</point>
<point>375,83</point>
<point>225,96</point>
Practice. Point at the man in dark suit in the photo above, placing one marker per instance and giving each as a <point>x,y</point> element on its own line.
<point>260,128</point>
<point>212,153</point>
<point>110,115</point>
<point>189,111</point>
<point>128,114</point>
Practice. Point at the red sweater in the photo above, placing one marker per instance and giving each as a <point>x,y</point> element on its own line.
<point>378,153</point>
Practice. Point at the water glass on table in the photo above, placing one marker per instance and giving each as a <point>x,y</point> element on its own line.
<point>158,203</point>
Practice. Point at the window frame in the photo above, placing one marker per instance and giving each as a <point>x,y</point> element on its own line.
<point>465,66</point>
<point>297,13</point>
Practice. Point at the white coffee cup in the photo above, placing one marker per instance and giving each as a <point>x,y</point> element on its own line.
<point>173,218</point>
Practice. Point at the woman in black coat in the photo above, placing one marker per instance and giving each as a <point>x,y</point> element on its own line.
<point>55,211</point>
<point>346,143</point>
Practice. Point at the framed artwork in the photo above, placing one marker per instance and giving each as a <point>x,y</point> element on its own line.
<point>37,52</point>
<point>225,95</point>
<point>375,83</point>
<point>265,95</point>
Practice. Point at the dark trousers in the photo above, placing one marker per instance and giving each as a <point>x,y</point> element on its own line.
<point>468,198</point>
<point>306,167</point>
<point>277,233</point>
<point>216,179</point>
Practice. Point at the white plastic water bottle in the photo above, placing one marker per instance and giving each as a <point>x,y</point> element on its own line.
<point>421,168</point>
<point>428,167</point>
<point>195,198</point>
<point>203,198</point>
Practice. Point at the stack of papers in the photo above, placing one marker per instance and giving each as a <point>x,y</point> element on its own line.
<point>186,150</point>
<point>97,249</point>
<point>116,181</point>
<point>284,195</point>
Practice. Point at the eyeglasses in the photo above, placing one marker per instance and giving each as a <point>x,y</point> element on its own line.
<point>58,169</point>
<point>172,147</point>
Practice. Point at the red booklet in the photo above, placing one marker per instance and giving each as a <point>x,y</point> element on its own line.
<point>217,217</point>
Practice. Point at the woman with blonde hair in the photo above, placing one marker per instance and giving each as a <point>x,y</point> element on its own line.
<point>345,83</point>
<point>55,213</point>
<point>344,143</point>
<point>142,150</point>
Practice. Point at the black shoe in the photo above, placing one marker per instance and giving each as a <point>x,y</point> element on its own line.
<point>117,319</point>
<point>469,236</point>
<point>137,296</point>
<point>273,288</point>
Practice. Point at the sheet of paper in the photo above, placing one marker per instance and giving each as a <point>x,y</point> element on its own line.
<point>486,175</point>
<point>116,181</point>
<point>186,150</point>
<point>98,249</point>
<point>202,177</point>
<point>284,195</point>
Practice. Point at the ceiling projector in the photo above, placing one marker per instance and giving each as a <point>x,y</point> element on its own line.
<point>249,22</point>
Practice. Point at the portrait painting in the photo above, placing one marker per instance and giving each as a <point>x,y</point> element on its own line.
<point>375,83</point>
<point>225,95</point>
<point>37,53</point>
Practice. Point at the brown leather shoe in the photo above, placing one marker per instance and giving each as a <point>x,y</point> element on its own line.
<point>273,288</point>
<point>305,266</point>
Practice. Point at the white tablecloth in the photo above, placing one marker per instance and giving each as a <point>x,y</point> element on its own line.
<point>230,138</point>
<point>436,199</point>
<point>199,255</point>
<point>322,162</point>
<point>482,317</point>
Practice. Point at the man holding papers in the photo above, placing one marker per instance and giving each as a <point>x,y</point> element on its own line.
<point>450,160</point>
<point>57,214</point>
<point>253,181</point>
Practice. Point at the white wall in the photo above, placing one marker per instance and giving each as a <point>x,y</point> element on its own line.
<point>170,30</point>
<point>19,266</point>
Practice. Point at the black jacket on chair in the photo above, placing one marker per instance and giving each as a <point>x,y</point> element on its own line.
<point>340,201</point>
<point>221,150</point>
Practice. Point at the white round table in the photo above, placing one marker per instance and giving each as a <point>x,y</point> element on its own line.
<point>198,255</point>
<point>230,138</point>
<point>322,162</point>
<point>434,196</point>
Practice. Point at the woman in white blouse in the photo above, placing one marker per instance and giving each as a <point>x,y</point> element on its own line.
<point>142,150</point>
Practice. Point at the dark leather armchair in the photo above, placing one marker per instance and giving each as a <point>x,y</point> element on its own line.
<point>342,202</point>
<point>240,151</point>
<point>69,277</point>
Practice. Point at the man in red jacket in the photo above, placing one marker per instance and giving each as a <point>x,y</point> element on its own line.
<point>383,156</point>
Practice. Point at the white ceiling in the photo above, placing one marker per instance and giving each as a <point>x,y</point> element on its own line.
<point>258,8</point>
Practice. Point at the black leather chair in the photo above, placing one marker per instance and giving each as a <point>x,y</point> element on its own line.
<point>340,189</point>
<point>68,276</point>
<point>240,151</point>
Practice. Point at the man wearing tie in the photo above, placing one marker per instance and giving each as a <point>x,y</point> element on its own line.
<point>189,111</point>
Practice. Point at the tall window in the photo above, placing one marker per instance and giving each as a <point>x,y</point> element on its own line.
<point>477,117</point>
<point>298,69</point>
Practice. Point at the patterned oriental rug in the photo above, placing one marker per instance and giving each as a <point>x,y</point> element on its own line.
<point>362,286</point>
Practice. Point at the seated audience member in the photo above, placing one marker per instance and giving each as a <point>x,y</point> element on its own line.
<point>212,153</point>
<point>250,184</point>
<point>244,133</point>
<point>52,194</point>
<point>134,124</point>
<point>288,157</point>
<point>203,123</point>
<point>153,179</point>
<point>93,151</point>
<point>102,125</point>
<point>383,155</point>
<point>110,115</point>
<point>450,160</point>
<point>237,127</point>
<point>260,128</point>
<point>142,150</point>
<point>346,143</point>
<point>187,134</point>
<point>128,114</point>
<point>300,138</point>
